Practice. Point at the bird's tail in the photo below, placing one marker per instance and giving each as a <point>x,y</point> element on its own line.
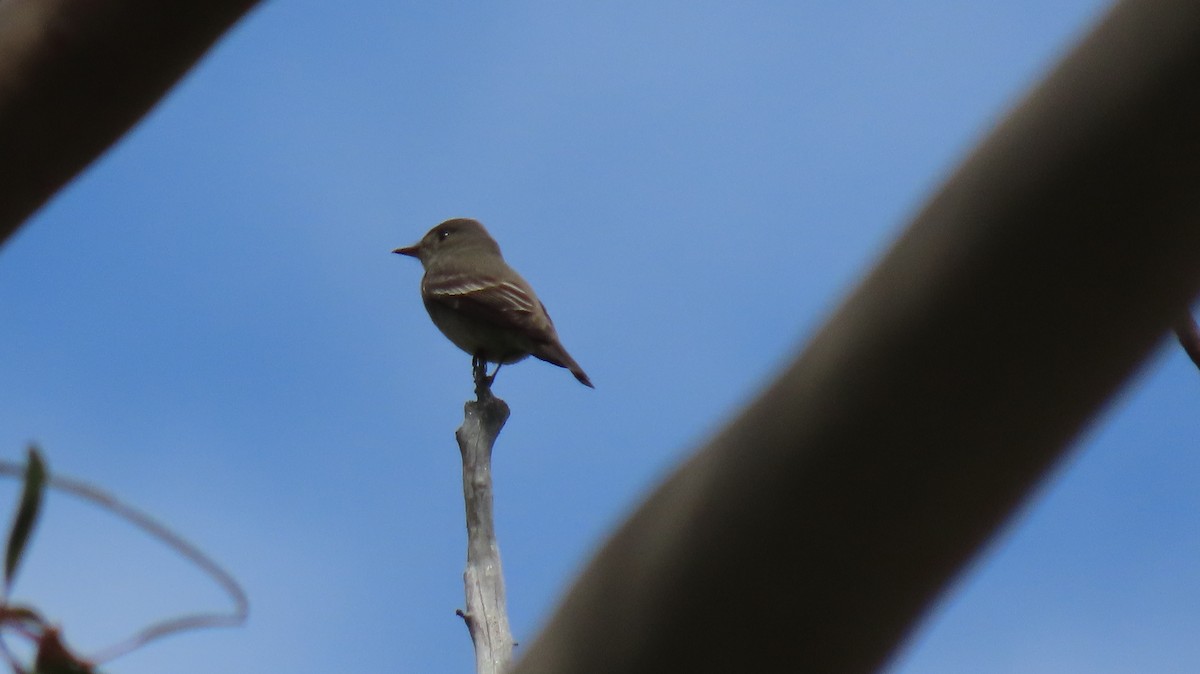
<point>580,374</point>
<point>555,353</point>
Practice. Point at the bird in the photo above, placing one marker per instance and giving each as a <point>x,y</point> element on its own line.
<point>483,305</point>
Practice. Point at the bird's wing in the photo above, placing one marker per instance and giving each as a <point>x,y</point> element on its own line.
<point>496,301</point>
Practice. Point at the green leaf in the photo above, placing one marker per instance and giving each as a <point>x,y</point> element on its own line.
<point>27,512</point>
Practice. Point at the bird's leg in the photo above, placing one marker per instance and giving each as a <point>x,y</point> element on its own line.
<point>483,383</point>
<point>494,373</point>
<point>479,370</point>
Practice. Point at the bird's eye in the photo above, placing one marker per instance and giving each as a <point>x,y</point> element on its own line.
<point>443,234</point>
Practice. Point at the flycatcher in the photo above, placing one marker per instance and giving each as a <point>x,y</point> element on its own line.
<point>480,303</point>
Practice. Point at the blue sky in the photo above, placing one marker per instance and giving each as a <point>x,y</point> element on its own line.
<point>209,323</point>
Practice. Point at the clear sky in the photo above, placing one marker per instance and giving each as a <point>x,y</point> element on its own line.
<point>209,322</point>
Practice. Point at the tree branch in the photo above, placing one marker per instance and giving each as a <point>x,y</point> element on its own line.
<point>814,531</point>
<point>1188,334</point>
<point>486,614</point>
<point>76,74</point>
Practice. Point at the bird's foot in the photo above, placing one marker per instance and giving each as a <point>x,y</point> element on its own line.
<point>483,381</point>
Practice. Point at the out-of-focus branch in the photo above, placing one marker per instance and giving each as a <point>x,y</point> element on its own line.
<point>235,617</point>
<point>813,532</point>
<point>486,614</point>
<point>76,74</point>
<point>1188,334</point>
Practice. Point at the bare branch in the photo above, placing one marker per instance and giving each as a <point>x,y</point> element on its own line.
<point>486,614</point>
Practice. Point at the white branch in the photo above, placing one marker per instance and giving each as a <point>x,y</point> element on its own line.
<point>486,614</point>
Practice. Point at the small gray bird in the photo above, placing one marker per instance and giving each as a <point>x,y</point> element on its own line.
<point>480,303</point>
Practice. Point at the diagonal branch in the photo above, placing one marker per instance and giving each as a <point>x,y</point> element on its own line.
<point>814,531</point>
<point>1188,334</point>
<point>76,74</point>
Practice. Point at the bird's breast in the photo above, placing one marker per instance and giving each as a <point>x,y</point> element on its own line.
<point>476,337</point>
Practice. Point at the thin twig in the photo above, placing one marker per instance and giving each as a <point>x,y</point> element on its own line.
<point>151,526</point>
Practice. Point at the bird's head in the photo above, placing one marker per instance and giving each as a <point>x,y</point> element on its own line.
<point>452,236</point>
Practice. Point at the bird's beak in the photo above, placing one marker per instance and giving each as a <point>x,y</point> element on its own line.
<point>411,251</point>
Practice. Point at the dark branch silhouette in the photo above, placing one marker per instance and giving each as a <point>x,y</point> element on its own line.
<point>1188,334</point>
<point>813,532</point>
<point>77,74</point>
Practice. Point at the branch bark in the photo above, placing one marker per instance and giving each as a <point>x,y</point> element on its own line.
<point>486,614</point>
<point>1188,334</point>
<point>813,532</point>
<point>76,74</point>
